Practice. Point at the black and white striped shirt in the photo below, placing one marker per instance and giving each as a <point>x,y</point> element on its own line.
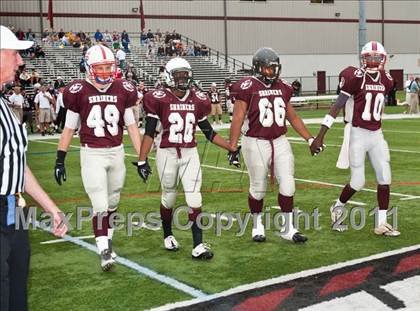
<point>13,145</point>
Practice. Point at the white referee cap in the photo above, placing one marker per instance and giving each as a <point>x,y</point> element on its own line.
<point>9,41</point>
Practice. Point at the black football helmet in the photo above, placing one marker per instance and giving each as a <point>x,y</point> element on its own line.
<point>266,65</point>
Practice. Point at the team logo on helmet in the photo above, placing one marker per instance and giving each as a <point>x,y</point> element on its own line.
<point>246,84</point>
<point>128,86</point>
<point>159,94</point>
<point>75,88</point>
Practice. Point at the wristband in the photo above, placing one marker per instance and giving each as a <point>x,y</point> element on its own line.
<point>61,155</point>
<point>311,140</point>
<point>328,121</point>
<point>139,163</point>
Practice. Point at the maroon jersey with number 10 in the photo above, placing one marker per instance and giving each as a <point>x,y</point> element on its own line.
<point>369,91</point>
<point>267,106</point>
<point>179,116</point>
<point>101,113</point>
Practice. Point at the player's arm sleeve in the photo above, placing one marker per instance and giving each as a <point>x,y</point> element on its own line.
<point>207,129</point>
<point>72,120</point>
<point>132,97</point>
<point>150,128</point>
<point>348,82</point>
<point>129,117</point>
<point>204,109</point>
<point>151,106</point>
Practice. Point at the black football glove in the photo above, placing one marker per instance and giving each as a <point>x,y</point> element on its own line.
<point>144,170</point>
<point>234,157</point>
<point>59,169</point>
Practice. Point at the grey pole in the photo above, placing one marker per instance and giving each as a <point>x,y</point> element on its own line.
<point>383,21</point>
<point>362,25</point>
<point>226,31</point>
<point>41,20</point>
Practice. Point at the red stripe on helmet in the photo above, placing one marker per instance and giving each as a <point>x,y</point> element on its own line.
<point>374,46</point>
<point>103,52</point>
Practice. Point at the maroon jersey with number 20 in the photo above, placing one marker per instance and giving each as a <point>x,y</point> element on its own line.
<point>267,106</point>
<point>369,91</point>
<point>101,113</point>
<point>179,116</point>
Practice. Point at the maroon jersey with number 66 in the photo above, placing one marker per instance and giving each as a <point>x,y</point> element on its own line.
<point>101,113</point>
<point>179,117</point>
<point>267,106</point>
<point>369,91</point>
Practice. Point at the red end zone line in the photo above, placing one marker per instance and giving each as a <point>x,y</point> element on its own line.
<point>286,278</point>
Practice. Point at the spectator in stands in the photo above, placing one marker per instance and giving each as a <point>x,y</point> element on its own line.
<point>77,42</point>
<point>204,50</point>
<point>82,36</point>
<point>98,36</point>
<point>150,35</point>
<point>20,34</point>
<point>297,88</point>
<point>59,83</point>
<point>35,78</point>
<point>61,33</point>
<point>130,74</point>
<point>197,49</point>
<point>161,50</point>
<point>25,78</point>
<point>55,39</point>
<point>30,35</point>
<point>115,36</point>
<point>16,100</point>
<point>45,34</point>
<point>44,101</point>
<point>125,40</point>
<point>158,35</point>
<point>120,56</point>
<point>190,51</point>
<point>392,99</point>
<point>107,37</point>
<point>150,52</point>
<point>407,93</point>
<point>143,38</point>
<point>39,52</point>
<point>82,67</point>
<point>65,40</point>
<point>175,35</point>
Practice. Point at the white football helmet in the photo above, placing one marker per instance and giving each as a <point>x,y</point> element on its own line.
<point>373,56</point>
<point>96,56</point>
<point>178,74</point>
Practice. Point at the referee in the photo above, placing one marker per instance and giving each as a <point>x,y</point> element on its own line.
<point>15,177</point>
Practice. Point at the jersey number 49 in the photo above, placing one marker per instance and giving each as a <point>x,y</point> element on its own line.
<point>95,120</point>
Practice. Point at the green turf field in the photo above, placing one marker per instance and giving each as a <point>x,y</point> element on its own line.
<point>67,277</point>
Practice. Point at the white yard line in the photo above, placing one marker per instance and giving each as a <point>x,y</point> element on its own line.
<point>84,237</point>
<point>410,198</point>
<point>240,171</point>
<point>286,278</point>
<point>138,268</point>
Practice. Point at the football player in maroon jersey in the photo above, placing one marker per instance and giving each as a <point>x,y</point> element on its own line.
<point>229,99</point>
<point>367,88</point>
<point>262,105</point>
<point>101,106</point>
<point>180,109</point>
<point>216,107</point>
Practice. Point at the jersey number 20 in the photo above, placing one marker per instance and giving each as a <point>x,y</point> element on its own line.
<point>177,126</point>
<point>95,120</point>
<point>267,116</point>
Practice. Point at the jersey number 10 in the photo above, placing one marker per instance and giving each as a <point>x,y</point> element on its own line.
<point>378,105</point>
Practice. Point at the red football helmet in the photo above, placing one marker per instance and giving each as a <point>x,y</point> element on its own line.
<point>100,65</point>
<point>373,56</point>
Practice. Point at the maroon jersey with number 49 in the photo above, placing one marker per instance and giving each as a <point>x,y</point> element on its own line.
<point>267,106</point>
<point>179,117</point>
<point>369,91</point>
<point>101,113</point>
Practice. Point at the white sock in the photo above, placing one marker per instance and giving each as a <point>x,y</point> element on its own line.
<point>382,217</point>
<point>257,225</point>
<point>101,243</point>
<point>339,203</point>
<point>110,233</point>
<point>289,228</point>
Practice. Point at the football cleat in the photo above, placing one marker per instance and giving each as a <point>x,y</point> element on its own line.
<point>386,230</point>
<point>107,263</point>
<point>299,238</point>
<point>337,210</point>
<point>171,244</point>
<point>113,254</point>
<point>202,251</point>
<point>258,233</point>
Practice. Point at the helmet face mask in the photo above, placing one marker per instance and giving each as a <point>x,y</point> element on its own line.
<point>100,64</point>
<point>266,65</point>
<point>178,74</point>
<point>103,74</point>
